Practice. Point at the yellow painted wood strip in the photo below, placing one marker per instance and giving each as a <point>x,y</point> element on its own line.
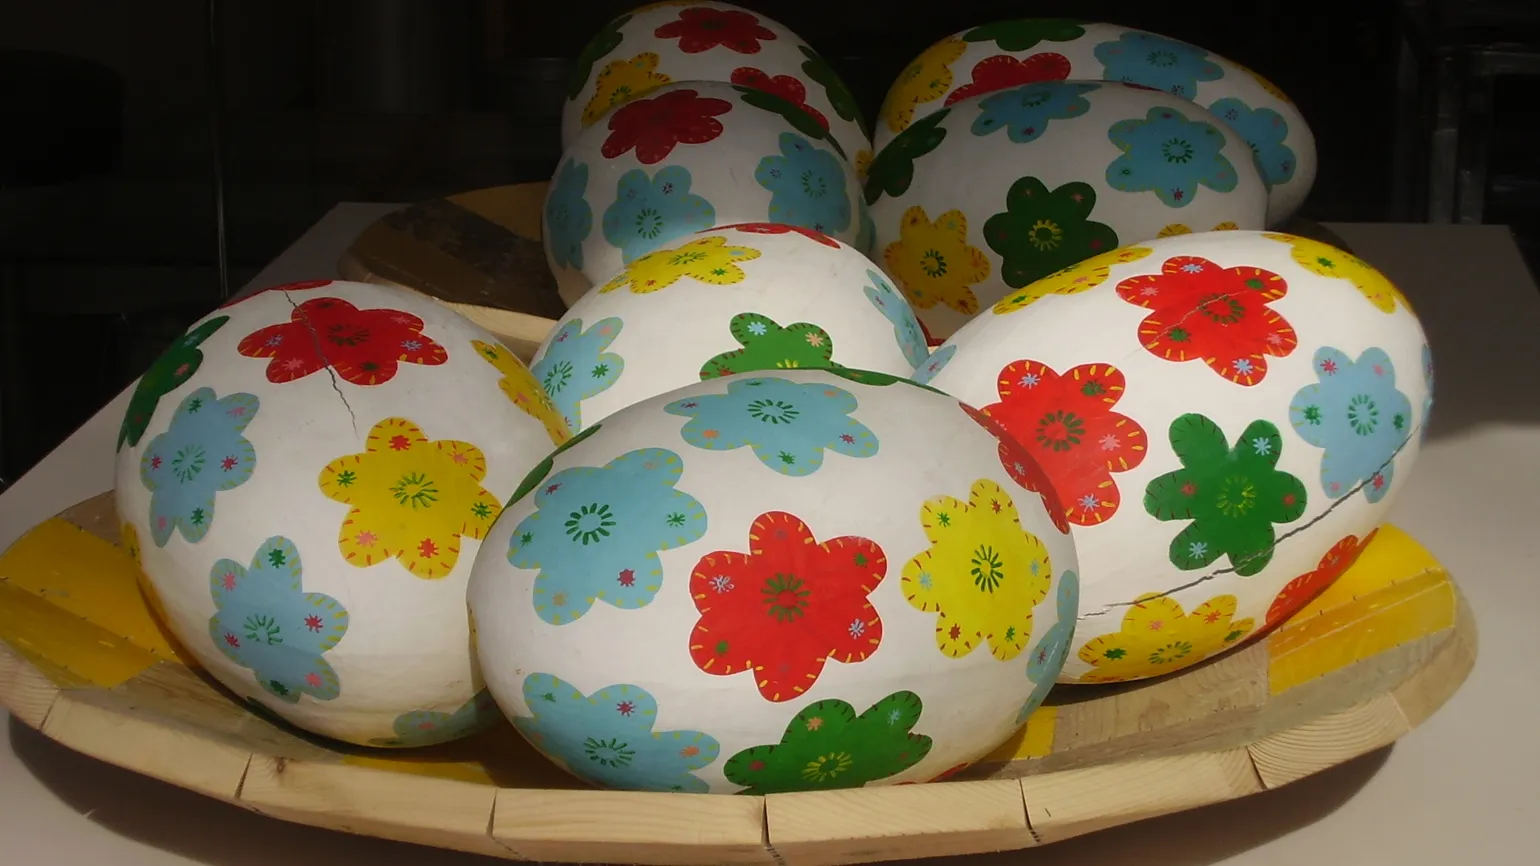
<point>1392,556</point>
<point>88,578</point>
<point>453,771</point>
<point>69,650</point>
<point>1034,740</point>
<point>517,208</point>
<point>1362,628</point>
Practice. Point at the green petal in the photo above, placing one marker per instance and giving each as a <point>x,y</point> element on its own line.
<point>1261,445</point>
<point>1195,547</point>
<point>899,711</point>
<point>1250,547</point>
<point>1076,211</point>
<point>1164,499</point>
<point>1285,497</point>
<point>1198,441</point>
<point>740,324</point>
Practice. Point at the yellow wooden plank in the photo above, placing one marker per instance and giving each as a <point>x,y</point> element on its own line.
<point>1392,556</point>
<point>88,578</point>
<point>517,208</point>
<point>453,771</point>
<point>69,650</point>
<point>1034,740</point>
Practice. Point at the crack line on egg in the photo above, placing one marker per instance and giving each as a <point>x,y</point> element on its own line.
<point>1339,502</point>
<point>321,353</point>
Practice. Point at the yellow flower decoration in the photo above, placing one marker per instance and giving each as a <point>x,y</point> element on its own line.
<point>983,574</point>
<point>1227,226</point>
<point>933,262</point>
<point>1328,261</point>
<point>1173,230</point>
<point>1077,278</point>
<point>863,163</point>
<point>1272,89</point>
<point>709,260</point>
<point>620,82</point>
<point>525,390</point>
<point>1158,638</point>
<point>927,79</point>
<point>413,499</point>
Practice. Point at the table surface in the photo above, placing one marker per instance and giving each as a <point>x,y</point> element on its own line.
<point>1464,788</point>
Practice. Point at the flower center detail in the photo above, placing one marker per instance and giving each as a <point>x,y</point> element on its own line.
<point>826,767</point>
<point>1177,150</point>
<point>933,263</point>
<point>1171,652</point>
<point>814,185</point>
<point>649,223</point>
<point>1362,415</point>
<point>773,411</point>
<point>609,753</point>
<point>1060,430</point>
<point>1046,235</point>
<point>785,597</point>
<point>1222,309</point>
<point>414,490</point>
<point>188,462</point>
<point>988,568</point>
<point>590,523</point>
<point>557,377</point>
<point>1237,496</point>
<point>1162,59</point>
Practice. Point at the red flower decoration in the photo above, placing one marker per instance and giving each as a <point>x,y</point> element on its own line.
<point>1002,71</point>
<point>286,287</point>
<point>781,229</point>
<point>930,341</point>
<point>787,606</point>
<point>654,126</point>
<point>363,346</point>
<point>1023,468</point>
<point>703,28</point>
<point>1220,315</point>
<point>1066,422</point>
<point>1303,589</point>
<point>784,86</point>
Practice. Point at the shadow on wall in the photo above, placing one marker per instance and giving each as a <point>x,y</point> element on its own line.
<point>219,834</point>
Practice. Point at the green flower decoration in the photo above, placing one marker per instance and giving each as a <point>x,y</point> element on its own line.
<point>879,380</point>
<point>768,346</point>
<point>1043,231</point>
<point>544,467</point>
<point>167,373</point>
<point>892,170</point>
<point>606,40</point>
<point>1233,496</point>
<point>828,746</point>
<point>799,119</point>
<point>1023,33</point>
<point>840,97</point>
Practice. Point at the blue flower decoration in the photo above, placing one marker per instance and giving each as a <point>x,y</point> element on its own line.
<point>607,739</point>
<point>1358,416</point>
<point>938,359</point>
<point>1048,656</point>
<point>1170,155</point>
<point>1156,61</point>
<point>905,326</point>
<point>203,453</point>
<point>1264,129</point>
<point>421,728</point>
<point>807,186</point>
<point>596,532</point>
<point>575,366</point>
<point>788,424</point>
<point>649,213</point>
<point>264,620</point>
<point>1023,112</point>
<point>1427,381</point>
<point>568,218</point>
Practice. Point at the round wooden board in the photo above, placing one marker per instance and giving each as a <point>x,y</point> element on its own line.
<point>480,253</point>
<point>83,660</point>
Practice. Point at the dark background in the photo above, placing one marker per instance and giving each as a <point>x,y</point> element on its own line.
<point>116,118</point>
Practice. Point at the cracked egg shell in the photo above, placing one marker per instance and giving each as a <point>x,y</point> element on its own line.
<point>728,300</point>
<point>719,587</point>
<point>307,472</point>
<point>684,158</point>
<point>1226,417</point>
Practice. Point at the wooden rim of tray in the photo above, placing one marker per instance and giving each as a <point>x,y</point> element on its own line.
<point>1351,672</point>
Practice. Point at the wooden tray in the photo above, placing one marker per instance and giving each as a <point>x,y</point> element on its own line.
<point>83,660</point>
<point>480,253</point>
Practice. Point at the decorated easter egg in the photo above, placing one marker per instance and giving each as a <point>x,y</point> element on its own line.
<point>1008,54</point>
<point>684,158</point>
<point>730,300</point>
<point>771,582</point>
<point>696,40</point>
<point>306,476</point>
<point>1225,417</point>
<point>985,196</point>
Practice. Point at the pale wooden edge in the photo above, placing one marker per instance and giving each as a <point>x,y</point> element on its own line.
<point>522,333</point>
<point>860,825</point>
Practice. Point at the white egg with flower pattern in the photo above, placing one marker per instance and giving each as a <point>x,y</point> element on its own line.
<point>998,190</point>
<point>684,158</point>
<point>1006,54</point>
<point>1225,417</point>
<point>729,300</point>
<point>700,40</point>
<point>306,475</point>
<point>778,581</point>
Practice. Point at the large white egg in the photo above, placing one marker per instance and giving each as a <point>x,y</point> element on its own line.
<point>998,190</point>
<point>1225,418</point>
<point>1007,54</point>
<point>774,582</point>
<point>686,157</point>
<point>702,40</point>
<point>307,474</point>
<point>729,300</point>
